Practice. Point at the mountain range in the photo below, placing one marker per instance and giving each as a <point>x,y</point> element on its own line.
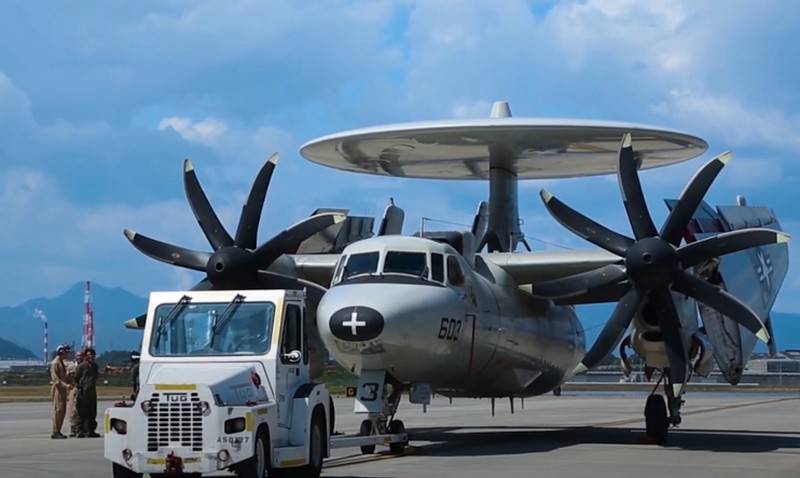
<point>112,306</point>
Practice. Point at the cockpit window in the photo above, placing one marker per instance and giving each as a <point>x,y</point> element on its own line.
<point>454,274</point>
<point>364,263</point>
<point>338,269</point>
<point>412,263</point>
<point>437,267</point>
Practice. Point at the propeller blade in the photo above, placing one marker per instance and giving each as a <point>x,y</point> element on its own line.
<point>288,240</point>
<point>168,253</point>
<point>480,224</point>
<point>725,303</point>
<point>215,232</point>
<point>392,222</point>
<point>204,284</point>
<point>671,329</point>
<point>246,232</point>
<point>137,322</point>
<point>632,195</point>
<point>584,227</point>
<point>613,330</point>
<point>690,199</point>
<point>582,283</point>
<point>727,243</point>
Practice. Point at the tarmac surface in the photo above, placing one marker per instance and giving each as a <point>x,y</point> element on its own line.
<point>575,435</point>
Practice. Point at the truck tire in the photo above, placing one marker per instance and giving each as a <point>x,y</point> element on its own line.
<point>316,452</point>
<point>119,471</point>
<point>331,417</point>
<point>259,465</point>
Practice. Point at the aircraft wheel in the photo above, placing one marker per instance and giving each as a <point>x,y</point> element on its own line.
<point>397,426</point>
<point>656,420</point>
<point>366,430</point>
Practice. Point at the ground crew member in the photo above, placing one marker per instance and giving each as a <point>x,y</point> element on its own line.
<point>59,387</point>
<point>87,394</point>
<point>73,418</point>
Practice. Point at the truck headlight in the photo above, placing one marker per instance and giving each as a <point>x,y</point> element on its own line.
<point>119,426</point>
<point>234,425</point>
<point>203,408</point>
<point>147,407</point>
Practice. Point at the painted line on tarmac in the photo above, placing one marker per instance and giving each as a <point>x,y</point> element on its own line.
<point>721,408</point>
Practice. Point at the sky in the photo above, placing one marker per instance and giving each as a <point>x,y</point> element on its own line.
<point>100,104</point>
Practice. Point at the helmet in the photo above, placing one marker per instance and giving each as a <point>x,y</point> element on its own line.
<point>63,348</point>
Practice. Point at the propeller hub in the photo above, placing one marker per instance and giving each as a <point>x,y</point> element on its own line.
<point>231,267</point>
<point>652,262</point>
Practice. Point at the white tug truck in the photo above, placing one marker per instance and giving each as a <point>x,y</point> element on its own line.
<point>224,385</point>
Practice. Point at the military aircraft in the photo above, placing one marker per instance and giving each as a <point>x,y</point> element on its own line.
<point>433,312</point>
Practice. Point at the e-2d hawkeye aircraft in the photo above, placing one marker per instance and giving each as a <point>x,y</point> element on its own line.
<point>434,313</point>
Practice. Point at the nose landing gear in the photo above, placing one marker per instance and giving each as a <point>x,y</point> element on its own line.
<point>657,418</point>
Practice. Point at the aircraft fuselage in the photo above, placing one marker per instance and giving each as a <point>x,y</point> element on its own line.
<point>465,330</point>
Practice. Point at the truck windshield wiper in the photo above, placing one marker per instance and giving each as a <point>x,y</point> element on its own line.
<point>223,318</point>
<point>171,316</point>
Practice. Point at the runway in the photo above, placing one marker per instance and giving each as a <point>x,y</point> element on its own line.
<point>575,435</point>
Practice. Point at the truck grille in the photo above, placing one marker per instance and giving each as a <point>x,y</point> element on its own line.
<point>175,418</point>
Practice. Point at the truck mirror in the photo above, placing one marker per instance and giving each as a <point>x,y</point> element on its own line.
<point>294,356</point>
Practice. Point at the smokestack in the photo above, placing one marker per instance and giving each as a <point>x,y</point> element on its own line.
<point>39,314</point>
<point>88,317</point>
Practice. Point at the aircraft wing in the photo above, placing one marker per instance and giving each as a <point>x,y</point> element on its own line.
<point>531,267</point>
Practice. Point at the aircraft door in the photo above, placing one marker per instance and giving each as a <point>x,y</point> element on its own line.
<point>292,361</point>
<point>462,325</point>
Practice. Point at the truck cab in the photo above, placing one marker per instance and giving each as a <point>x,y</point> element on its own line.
<point>224,385</point>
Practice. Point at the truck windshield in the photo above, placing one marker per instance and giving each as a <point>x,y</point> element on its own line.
<point>197,330</point>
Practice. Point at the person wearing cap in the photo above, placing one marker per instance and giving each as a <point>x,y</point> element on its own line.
<point>72,398</point>
<point>59,386</point>
<point>86,378</point>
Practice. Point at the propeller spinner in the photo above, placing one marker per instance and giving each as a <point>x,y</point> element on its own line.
<point>653,265</point>
<point>236,262</point>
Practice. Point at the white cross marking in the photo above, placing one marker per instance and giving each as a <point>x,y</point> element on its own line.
<point>354,323</point>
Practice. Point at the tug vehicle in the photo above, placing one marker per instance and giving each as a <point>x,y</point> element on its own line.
<point>224,386</point>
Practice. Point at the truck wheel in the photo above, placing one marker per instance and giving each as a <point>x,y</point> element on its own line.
<point>395,427</point>
<point>365,430</point>
<point>316,450</point>
<point>119,471</point>
<point>259,464</point>
<point>332,417</point>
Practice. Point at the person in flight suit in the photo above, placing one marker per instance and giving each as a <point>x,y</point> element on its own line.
<point>73,418</point>
<point>59,387</point>
<point>86,378</point>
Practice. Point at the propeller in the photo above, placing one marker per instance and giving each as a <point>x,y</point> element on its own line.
<point>236,262</point>
<point>653,265</point>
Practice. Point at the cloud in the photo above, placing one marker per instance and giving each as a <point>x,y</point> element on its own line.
<point>205,132</point>
<point>727,118</point>
<point>95,142</point>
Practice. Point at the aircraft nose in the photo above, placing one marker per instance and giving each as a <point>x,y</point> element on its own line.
<point>356,323</point>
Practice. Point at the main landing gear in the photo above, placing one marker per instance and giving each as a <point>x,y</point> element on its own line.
<point>658,414</point>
